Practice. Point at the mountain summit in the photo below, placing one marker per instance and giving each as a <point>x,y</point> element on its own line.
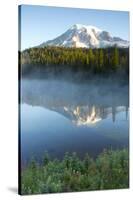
<point>84,36</point>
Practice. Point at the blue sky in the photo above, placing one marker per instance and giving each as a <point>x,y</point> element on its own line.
<point>41,23</point>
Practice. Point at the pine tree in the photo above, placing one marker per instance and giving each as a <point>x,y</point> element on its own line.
<point>96,57</point>
<point>91,57</point>
<point>116,57</point>
<point>101,58</point>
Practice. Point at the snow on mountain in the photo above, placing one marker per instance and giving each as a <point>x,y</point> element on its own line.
<point>86,37</point>
<point>86,115</point>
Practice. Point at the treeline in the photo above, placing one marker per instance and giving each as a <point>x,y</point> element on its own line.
<point>78,59</point>
<point>110,170</point>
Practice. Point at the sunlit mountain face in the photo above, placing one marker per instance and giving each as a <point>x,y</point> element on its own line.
<point>86,36</point>
<point>85,115</point>
<point>90,115</point>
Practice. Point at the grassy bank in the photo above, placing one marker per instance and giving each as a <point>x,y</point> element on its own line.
<point>108,171</point>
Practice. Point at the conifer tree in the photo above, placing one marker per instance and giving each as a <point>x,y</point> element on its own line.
<point>101,58</point>
<point>116,57</point>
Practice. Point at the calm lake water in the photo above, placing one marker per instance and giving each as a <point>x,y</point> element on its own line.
<point>60,117</point>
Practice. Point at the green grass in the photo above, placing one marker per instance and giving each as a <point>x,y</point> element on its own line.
<point>108,171</point>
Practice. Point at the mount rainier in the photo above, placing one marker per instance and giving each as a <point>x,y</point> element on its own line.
<point>86,37</point>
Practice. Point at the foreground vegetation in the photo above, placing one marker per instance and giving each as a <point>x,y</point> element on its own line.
<point>58,59</point>
<point>108,171</point>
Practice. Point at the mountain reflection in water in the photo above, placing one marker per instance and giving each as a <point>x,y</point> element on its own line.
<point>61,117</point>
<point>82,104</point>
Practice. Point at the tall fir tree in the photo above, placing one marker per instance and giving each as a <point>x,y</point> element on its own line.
<point>101,58</point>
<point>116,57</point>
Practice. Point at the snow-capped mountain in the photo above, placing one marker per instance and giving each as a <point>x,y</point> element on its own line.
<point>88,115</point>
<point>86,37</point>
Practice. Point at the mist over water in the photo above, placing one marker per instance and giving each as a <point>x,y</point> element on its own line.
<point>60,116</point>
<point>62,92</point>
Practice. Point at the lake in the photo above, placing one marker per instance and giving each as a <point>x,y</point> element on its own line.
<point>58,117</point>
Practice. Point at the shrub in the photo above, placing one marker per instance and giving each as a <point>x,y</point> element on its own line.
<point>108,171</point>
